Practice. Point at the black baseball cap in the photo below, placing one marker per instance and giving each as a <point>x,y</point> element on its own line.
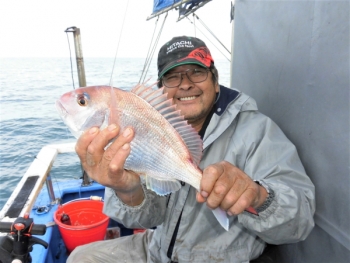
<point>183,50</point>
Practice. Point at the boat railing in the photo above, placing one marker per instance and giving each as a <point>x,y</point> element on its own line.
<point>23,197</point>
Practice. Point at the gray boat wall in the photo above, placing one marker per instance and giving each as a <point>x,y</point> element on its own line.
<point>292,57</point>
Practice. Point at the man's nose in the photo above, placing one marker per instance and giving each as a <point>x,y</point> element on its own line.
<point>186,83</point>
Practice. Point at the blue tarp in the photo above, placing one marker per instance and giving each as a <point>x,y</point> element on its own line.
<point>159,5</point>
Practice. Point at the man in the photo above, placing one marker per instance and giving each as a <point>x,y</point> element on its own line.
<point>247,163</point>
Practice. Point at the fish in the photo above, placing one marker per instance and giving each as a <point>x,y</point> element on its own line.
<point>165,150</point>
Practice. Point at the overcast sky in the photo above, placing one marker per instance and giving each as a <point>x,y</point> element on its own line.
<point>35,28</point>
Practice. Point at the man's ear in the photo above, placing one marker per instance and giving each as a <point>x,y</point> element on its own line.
<point>217,87</point>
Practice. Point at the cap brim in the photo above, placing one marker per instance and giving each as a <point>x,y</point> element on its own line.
<point>183,62</point>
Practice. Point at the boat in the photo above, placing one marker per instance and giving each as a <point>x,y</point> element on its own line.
<point>292,57</point>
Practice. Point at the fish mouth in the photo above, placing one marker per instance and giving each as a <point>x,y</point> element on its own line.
<point>65,118</point>
<point>61,109</point>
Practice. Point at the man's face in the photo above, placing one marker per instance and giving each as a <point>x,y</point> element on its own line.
<point>195,100</point>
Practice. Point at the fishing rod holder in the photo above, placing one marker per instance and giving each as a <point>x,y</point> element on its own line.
<point>17,245</point>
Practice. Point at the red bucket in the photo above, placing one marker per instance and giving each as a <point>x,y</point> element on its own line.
<point>87,223</point>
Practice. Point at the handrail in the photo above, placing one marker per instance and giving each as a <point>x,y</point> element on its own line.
<point>41,167</point>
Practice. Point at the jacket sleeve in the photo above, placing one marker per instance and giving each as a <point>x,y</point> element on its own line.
<point>148,214</point>
<point>273,159</point>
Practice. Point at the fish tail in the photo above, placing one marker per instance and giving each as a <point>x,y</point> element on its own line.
<point>221,216</point>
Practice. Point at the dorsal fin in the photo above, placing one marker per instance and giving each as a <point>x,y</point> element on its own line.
<point>165,106</point>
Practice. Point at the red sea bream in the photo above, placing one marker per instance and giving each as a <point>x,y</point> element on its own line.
<point>165,149</point>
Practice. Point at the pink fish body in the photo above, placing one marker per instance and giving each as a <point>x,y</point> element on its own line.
<point>165,149</point>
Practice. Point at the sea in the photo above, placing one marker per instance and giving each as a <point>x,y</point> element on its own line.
<point>29,88</point>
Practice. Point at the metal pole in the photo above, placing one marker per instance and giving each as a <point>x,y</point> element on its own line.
<point>50,189</point>
<point>78,55</point>
<point>82,79</point>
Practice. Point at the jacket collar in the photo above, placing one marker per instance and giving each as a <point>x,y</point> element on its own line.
<point>229,103</point>
<point>224,98</point>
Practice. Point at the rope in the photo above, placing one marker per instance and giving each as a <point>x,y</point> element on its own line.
<point>149,59</point>
<point>149,49</point>
<point>71,63</point>
<point>211,41</point>
<point>211,33</point>
<point>194,25</point>
<point>120,36</point>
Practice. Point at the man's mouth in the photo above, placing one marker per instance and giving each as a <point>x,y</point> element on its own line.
<point>187,98</point>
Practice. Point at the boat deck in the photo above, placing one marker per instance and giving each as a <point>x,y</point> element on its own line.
<point>43,213</point>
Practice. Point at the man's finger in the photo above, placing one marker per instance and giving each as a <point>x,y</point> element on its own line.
<point>124,138</point>
<point>116,164</point>
<point>95,149</point>
<point>200,198</point>
<point>84,141</point>
<point>213,186</point>
<point>116,154</point>
<point>243,202</point>
<point>209,178</point>
<point>231,198</point>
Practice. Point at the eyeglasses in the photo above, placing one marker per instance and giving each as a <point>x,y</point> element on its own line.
<point>195,75</point>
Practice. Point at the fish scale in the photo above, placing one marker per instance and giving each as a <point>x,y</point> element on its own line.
<point>165,148</point>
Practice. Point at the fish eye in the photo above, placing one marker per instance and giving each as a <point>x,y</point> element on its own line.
<point>82,99</point>
<point>82,102</point>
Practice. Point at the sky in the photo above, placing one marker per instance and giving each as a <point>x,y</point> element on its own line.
<point>35,28</point>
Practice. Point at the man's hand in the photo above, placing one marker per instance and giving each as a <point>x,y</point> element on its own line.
<point>226,186</point>
<point>107,166</point>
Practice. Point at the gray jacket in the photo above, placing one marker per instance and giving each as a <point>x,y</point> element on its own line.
<point>241,135</point>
